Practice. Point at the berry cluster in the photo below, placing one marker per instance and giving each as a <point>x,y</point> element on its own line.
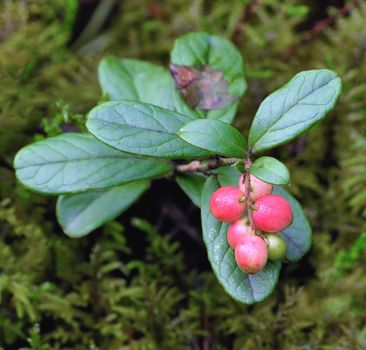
<point>255,215</point>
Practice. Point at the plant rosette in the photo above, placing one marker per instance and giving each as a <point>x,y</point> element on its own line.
<point>176,125</point>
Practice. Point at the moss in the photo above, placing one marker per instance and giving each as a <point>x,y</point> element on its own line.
<point>104,292</point>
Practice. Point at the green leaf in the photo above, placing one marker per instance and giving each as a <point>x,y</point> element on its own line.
<point>228,175</point>
<point>215,136</point>
<point>298,234</point>
<point>129,79</point>
<point>270,170</point>
<point>239,285</point>
<point>81,213</point>
<point>143,129</point>
<point>293,109</point>
<point>192,185</point>
<point>200,49</point>
<point>77,162</point>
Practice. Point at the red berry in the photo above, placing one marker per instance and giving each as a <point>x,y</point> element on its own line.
<point>227,204</point>
<point>251,254</point>
<point>273,213</point>
<point>258,187</point>
<point>238,230</point>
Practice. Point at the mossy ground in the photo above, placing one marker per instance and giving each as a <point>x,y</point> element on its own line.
<point>143,282</point>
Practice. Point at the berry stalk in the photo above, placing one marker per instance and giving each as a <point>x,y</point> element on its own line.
<point>250,202</point>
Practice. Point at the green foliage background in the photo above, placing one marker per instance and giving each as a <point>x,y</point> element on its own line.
<point>93,293</point>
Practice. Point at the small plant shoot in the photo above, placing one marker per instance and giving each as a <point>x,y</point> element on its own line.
<point>175,123</point>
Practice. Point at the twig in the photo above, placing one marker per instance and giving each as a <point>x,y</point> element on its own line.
<point>173,212</point>
<point>205,166</point>
<point>240,25</point>
<point>319,28</point>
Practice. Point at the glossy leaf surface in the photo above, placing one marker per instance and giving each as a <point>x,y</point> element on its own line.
<point>75,162</point>
<point>81,213</point>
<point>215,136</point>
<point>270,170</point>
<point>293,109</point>
<point>143,129</point>
<point>192,185</point>
<point>130,79</point>
<point>298,234</point>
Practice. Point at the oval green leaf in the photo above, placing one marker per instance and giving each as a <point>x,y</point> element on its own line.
<point>129,79</point>
<point>77,162</point>
<point>215,136</point>
<point>200,49</point>
<point>270,170</point>
<point>228,175</point>
<point>192,185</point>
<point>142,129</point>
<point>293,109</point>
<point>298,234</point>
<point>81,213</point>
<point>244,288</point>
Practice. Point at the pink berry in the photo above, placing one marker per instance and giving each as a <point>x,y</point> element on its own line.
<point>238,230</point>
<point>227,204</point>
<point>273,213</point>
<point>259,188</point>
<point>251,254</point>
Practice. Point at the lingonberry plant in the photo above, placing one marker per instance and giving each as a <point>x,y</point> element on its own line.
<point>177,125</point>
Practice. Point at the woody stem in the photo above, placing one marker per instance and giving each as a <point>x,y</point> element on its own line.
<point>205,166</point>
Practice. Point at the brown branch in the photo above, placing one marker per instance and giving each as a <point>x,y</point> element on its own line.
<point>240,25</point>
<point>205,166</point>
<point>319,28</point>
<point>173,212</point>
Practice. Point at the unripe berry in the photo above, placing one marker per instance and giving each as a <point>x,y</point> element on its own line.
<point>238,230</point>
<point>227,204</point>
<point>258,187</point>
<point>277,247</point>
<point>272,213</point>
<point>251,254</point>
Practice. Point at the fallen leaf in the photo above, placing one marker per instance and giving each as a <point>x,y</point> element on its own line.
<point>202,87</point>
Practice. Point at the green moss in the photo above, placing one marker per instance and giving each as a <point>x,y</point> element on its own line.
<point>57,293</point>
